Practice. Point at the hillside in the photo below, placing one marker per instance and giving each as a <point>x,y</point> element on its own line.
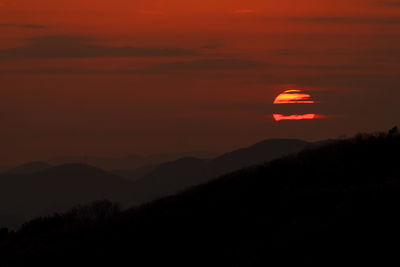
<point>56,189</point>
<point>29,168</point>
<point>129,162</point>
<point>325,207</point>
<point>175,176</point>
<point>38,188</point>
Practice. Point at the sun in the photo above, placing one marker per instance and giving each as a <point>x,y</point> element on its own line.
<point>293,97</point>
<point>290,97</point>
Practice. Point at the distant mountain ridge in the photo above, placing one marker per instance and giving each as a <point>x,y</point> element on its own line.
<point>172,177</point>
<point>325,206</point>
<point>29,168</point>
<point>56,189</point>
<point>39,188</point>
<point>130,162</point>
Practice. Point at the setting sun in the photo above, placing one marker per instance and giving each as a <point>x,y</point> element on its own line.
<point>294,97</point>
<point>280,117</point>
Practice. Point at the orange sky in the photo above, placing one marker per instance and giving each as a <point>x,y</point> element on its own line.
<point>125,77</point>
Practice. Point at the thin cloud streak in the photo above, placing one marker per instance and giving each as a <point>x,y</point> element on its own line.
<point>348,20</point>
<point>65,46</point>
<point>387,3</point>
<point>195,66</point>
<point>205,65</point>
<point>245,11</point>
<point>26,26</point>
<point>165,68</point>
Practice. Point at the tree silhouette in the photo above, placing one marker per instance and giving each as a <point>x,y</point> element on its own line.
<point>394,131</point>
<point>3,233</point>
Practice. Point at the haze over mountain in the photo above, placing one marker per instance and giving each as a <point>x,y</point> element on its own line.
<point>4,168</point>
<point>325,206</point>
<point>172,177</point>
<point>23,196</point>
<point>37,188</point>
<point>29,168</point>
<point>129,162</point>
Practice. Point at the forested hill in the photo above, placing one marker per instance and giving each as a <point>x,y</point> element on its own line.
<point>333,205</point>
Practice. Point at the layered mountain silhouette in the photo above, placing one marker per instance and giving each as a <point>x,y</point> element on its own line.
<point>56,189</point>
<point>29,168</point>
<point>4,168</point>
<point>172,177</point>
<point>39,188</point>
<point>135,174</point>
<point>325,206</point>
<point>130,162</point>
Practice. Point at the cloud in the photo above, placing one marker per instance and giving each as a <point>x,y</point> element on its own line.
<point>153,12</point>
<point>52,71</point>
<point>65,46</point>
<point>244,11</point>
<point>205,65</point>
<point>232,64</point>
<point>200,66</point>
<point>388,3</point>
<point>212,46</point>
<point>348,20</point>
<point>336,52</point>
<point>167,68</point>
<point>26,26</point>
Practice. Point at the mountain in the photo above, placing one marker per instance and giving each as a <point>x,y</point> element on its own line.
<point>56,189</point>
<point>4,168</point>
<point>325,206</point>
<point>128,163</point>
<point>256,154</point>
<point>175,176</point>
<point>29,168</point>
<point>38,188</point>
<point>135,174</point>
<point>169,178</point>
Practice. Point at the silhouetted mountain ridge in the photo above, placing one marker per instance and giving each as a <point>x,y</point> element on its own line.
<point>130,162</point>
<point>43,188</point>
<point>325,206</point>
<point>29,168</point>
<point>56,189</point>
<point>259,153</point>
<point>172,177</point>
<point>73,169</point>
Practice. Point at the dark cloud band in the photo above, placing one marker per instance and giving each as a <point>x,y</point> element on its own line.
<point>348,20</point>
<point>26,26</point>
<point>80,47</point>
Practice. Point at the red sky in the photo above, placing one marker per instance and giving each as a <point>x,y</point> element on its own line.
<point>124,77</point>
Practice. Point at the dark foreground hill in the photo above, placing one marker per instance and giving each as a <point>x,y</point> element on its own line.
<point>332,206</point>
